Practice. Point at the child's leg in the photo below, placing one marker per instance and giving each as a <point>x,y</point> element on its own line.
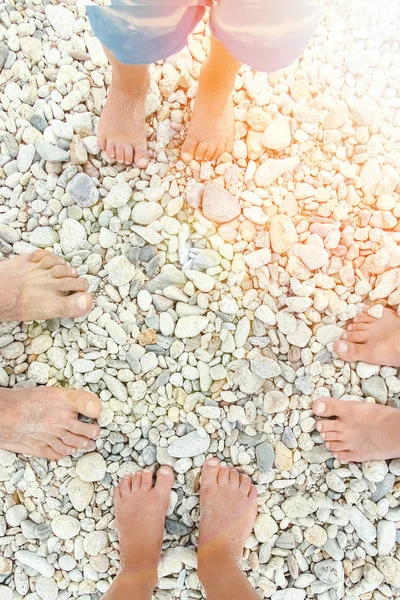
<point>140,509</point>
<point>121,131</point>
<point>211,131</point>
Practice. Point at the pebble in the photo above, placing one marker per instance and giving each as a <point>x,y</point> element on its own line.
<point>120,271</point>
<point>83,191</point>
<point>283,234</point>
<point>191,444</point>
<point>264,367</point>
<point>44,237</point>
<point>36,562</point>
<point>145,213</point>
<point>94,542</point>
<point>277,135</point>
<point>72,236</point>
<point>80,493</point>
<point>188,327</point>
<point>289,594</point>
<point>65,527</point>
<point>50,152</point>
<point>264,456</point>
<point>16,514</point>
<point>376,388</point>
<point>46,588</point>
<point>365,530</point>
<point>219,205</point>
<point>336,117</point>
<point>91,467</point>
<point>275,402</point>
<point>386,537</point>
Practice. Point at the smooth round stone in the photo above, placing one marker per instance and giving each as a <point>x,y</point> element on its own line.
<point>65,527</point>
<point>316,535</point>
<point>176,527</point>
<point>265,527</point>
<point>44,237</point>
<point>275,402</point>
<point>366,370</point>
<point>336,117</point>
<point>91,467</point>
<point>188,327</point>
<point>46,588</point>
<point>83,191</point>
<point>118,196</point>
<point>5,593</point>
<point>62,130</point>
<point>38,122</point>
<point>375,470</point>
<point>80,493</point>
<point>16,514</point>
<point>191,444</point>
<point>72,235</point>
<point>144,213</point>
<point>50,152</point>
<point>36,562</point>
<point>283,234</point>
<point>39,372</point>
<point>6,566</point>
<point>120,271</point>
<point>67,562</point>
<point>41,344</point>
<point>144,300</point>
<point>94,542</point>
<point>277,135</point>
<point>219,205</point>
<point>265,456</point>
<point>376,388</point>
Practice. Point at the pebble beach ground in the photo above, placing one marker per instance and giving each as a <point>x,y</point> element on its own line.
<point>216,310</point>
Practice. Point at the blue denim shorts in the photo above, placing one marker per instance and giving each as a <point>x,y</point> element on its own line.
<point>266,34</point>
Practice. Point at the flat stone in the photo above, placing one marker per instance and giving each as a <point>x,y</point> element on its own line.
<point>219,205</point>
<point>16,514</point>
<point>264,456</point>
<point>36,562</point>
<point>366,370</point>
<point>118,196</point>
<point>61,19</point>
<point>264,367</point>
<point>191,444</point>
<point>144,213</point>
<point>283,234</point>
<point>297,507</point>
<point>50,152</point>
<point>65,527</point>
<point>390,569</point>
<point>116,387</point>
<point>258,258</point>
<point>275,402</point>
<point>330,572</point>
<point>177,528</point>
<point>301,336</point>
<point>289,594</point>
<point>120,271</point>
<point>316,535</point>
<point>83,191</point>
<point>277,135</point>
<point>265,315</point>
<point>94,542</point>
<point>386,537</point>
<point>72,235</point>
<point>188,327</point>
<point>44,237</point>
<point>328,333</point>
<point>375,387</point>
<point>271,169</point>
<point>46,588</point>
<point>365,530</point>
<point>375,470</point>
<point>91,467</point>
<point>336,117</point>
<point>26,155</point>
<point>313,257</point>
<point>265,528</point>
<point>80,493</point>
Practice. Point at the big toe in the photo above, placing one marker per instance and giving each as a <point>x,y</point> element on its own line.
<point>141,157</point>
<point>188,149</point>
<point>84,403</point>
<point>348,351</point>
<point>328,407</point>
<point>165,481</point>
<point>209,473</point>
<point>76,305</point>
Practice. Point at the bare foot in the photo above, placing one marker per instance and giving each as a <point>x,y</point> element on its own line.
<point>34,287</point>
<point>228,510</point>
<point>211,130</point>
<point>361,431</point>
<point>43,421</point>
<point>140,509</point>
<point>121,131</point>
<point>372,340</point>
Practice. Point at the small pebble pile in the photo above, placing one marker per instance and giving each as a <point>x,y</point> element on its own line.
<point>219,292</point>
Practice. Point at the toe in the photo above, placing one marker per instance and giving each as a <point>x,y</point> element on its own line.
<point>223,476</point>
<point>117,494</point>
<point>356,327</point>
<point>164,481</point>
<point>101,142</point>
<point>209,473</point>
<point>125,485</point>
<point>356,337</point>
<point>338,446</point>
<point>363,317</point>
<point>83,403</point>
<point>326,425</point>
<point>229,147</point>
<point>60,448</point>
<point>234,478</point>
<point>141,157</point>
<point>61,271</point>
<point>76,305</point>
<point>245,483</point>
<point>128,154</point>
<point>39,255</point>
<point>69,284</point>
<point>188,149</point>
<point>209,153</point>
<point>147,480</point>
<point>119,153</point>
<point>51,260</point>
<point>110,149</point>
<point>87,430</point>
<point>200,151</point>
<point>137,481</point>
<point>253,494</point>
<point>348,351</point>
<point>50,454</point>
<point>328,407</point>
<point>331,436</point>
<point>344,457</point>
<point>220,149</point>
<point>77,441</point>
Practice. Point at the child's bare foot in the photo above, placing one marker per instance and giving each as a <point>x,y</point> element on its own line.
<point>140,510</point>
<point>121,131</point>
<point>211,130</point>
<point>372,340</point>
<point>34,288</point>
<point>361,431</point>
<point>228,509</point>
<point>43,421</point>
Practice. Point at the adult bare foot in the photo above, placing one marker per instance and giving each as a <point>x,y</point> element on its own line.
<point>361,431</point>
<point>43,421</point>
<point>121,130</point>
<point>140,509</point>
<point>34,287</point>
<point>228,509</point>
<point>211,130</point>
<point>372,340</point>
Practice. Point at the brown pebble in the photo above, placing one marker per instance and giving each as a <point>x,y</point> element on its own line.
<point>149,336</point>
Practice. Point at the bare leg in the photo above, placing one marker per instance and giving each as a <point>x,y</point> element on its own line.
<point>34,287</point>
<point>122,123</point>
<point>140,510</point>
<point>228,504</point>
<point>211,131</point>
<point>44,422</point>
<point>361,431</point>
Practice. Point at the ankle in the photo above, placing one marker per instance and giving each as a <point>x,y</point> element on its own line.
<point>215,81</point>
<point>134,83</point>
<point>140,577</point>
<point>212,560</point>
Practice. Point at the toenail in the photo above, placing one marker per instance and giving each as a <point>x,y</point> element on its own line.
<point>164,471</point>
<point>147,471</point>
<point>213,462</point>
<point>343,347</point>
<point>83,302</point>
<point>318,426</point>
<point>94,432</point>
<point>319,408</point>
<point>345,336</point>
<point>85,444</point>
<point>74,271</point>
<point>90,404</point>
